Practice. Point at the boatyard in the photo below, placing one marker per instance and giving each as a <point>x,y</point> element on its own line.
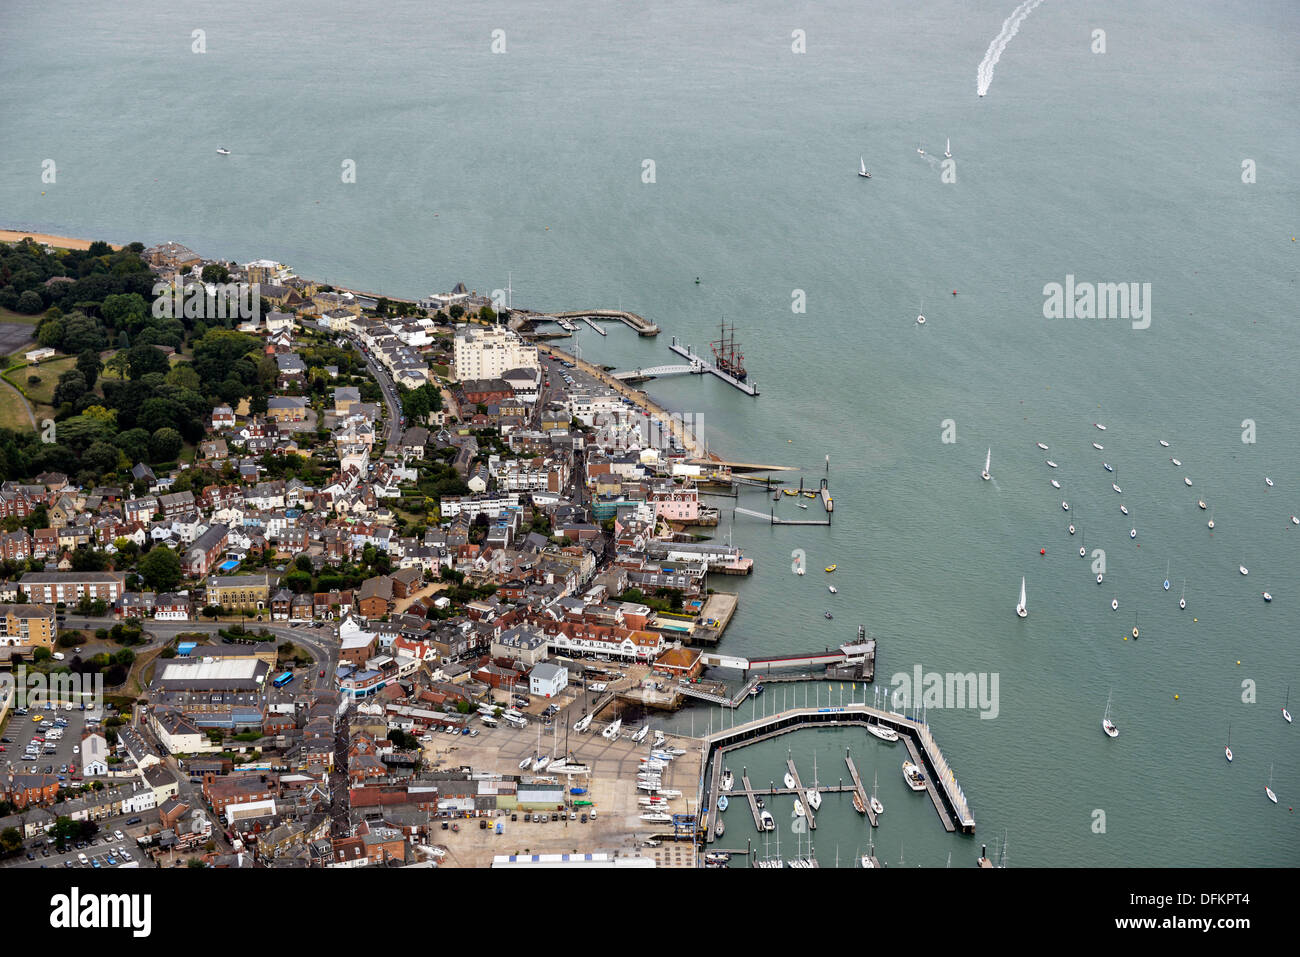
<point>610,784</point>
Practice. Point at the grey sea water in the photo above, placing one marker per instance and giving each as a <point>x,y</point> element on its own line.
<point>1122,166</point>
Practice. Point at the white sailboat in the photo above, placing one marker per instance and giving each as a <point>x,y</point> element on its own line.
<point>882,732</point>
<point>876,806</point>
<point>1285,713</point>
<point>789,780</point>
<point>988,459</point>
<point>799,809</point>
<point>862,168</point>
<point>1021,609</point>
<point>920,150</point>
<point>1106,724</point>
<point>920,317</point>
<point>947,148</point>
<point>583,723</point>
<point>1166,584</point>
<point>612,731</point>
<point>1210,523</point>
<point>1227,748</point>
<point>1268,788</point>
<point>814,795</point>
<point>223,151</point>
<point>1182,599</point>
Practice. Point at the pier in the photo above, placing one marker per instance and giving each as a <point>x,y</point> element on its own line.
<point>687,353</point>
<point>861,789</point>
<point>752,796</point>
<point>588,321</point>
<point>801,792</point>
<point>643,326</point>
<point>771,517</point>
<point>949,799</point>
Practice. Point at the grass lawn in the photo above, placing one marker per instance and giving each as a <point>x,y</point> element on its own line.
<point>8,315</point>
<point>13,407</point>
<point>49,371</point>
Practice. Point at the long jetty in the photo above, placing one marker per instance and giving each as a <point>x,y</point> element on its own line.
<point>688,353</point>
<point>861,789</point>
<point>643,326</point>
<point>949,799</point>
<point>802,792</point>
<point>771,517</point>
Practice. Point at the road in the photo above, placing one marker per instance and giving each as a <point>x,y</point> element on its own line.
<point>393,432</point>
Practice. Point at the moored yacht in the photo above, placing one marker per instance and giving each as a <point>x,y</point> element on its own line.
<point>914,776</point>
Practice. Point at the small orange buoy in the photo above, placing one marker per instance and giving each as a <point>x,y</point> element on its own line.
<point>1175,697</point>
<point>954,292</point>
<point>1042,551</point>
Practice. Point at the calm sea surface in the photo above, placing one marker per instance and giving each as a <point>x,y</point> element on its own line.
<point>1124,166</point>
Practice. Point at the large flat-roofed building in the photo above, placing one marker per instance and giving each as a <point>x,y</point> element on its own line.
<point>69,587</point>
<point>31,625</point>
<point>203,676</point>
<point>243,592</point>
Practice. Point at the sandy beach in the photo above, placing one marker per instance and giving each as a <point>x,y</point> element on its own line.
<point>61,242</point>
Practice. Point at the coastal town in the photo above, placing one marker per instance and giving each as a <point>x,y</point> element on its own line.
<point>423,586</point>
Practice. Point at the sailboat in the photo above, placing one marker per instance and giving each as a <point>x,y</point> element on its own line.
<point>880,731</point>
<point>814,795</point>
<point>1227,748</point>
<point>583,723</point>
<point>1106,724</point>
<point>789,780</point>
<point>947,148</point>
<point>1182,599</point>
<point>1268,788</point>
<point>223,151</point>
<point>988,459</point>
<point>862,168</point>
<point>1021,609</point>
<point>920,321</point>
<point>1210,523</point>
<point>920,150</point>
<point>875,801</point>
<point>1166,586</point>
<point>1083,549</point>
<point>798,809</point>
<point>1285,713</point>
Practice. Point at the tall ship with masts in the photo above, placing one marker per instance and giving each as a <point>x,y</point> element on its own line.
<point>727,355</point>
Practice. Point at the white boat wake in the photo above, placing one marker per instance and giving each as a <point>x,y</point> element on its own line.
<point>1010,27</point>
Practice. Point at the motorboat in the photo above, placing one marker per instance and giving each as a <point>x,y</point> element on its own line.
<point>832,589</point>
<point>728,779</point>
<point>1041,446</point>
<point>1295,520</point>
<point>1268,481</point>
<point>1201,504</point>
<point>1107,466</point>
<point>1097,446</point>
<point>1132,533</point>
<point>223,151</point>
<point>799,570</point>
<point>720,828</point>
<point>1267,596</point>
<point>831,568</point>
<point>1243,569</point>
<point>1187,481</point>
<point>1055,484</point>
<point>914,776</point>
<point>1100,426</point>
<point>1123,510</point>
<point>828,615</point>
<point>1065,506</point>
<point>1052,464</point>
<point>1176,462</point>
<point>1164,444</point>
<point>1116,488</point>
<point>766,822</point>
<point>802,505</point>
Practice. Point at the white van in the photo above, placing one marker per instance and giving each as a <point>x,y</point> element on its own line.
<point>83,860</point>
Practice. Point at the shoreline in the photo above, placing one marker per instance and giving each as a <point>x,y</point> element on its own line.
<point>48,239</point>
<point>643,401</point>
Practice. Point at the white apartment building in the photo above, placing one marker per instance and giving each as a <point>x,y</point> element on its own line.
<point>487,352</point>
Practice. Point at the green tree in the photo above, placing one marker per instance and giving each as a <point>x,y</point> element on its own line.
<point>88,365</point>
<point>215,272</point>
<point>165,444</point>
<point>161,569</point>
<point>30,302</point>
<point>72,385</point>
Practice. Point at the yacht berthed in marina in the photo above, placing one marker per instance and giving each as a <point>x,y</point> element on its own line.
<point>914,776</point>
<point>728,779</point>
<point>881,731</point>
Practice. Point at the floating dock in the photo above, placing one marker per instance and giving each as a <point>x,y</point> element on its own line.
<point>588,321</point>
<point>772,519</point>
<point>801,792</point>
<point>949,799</point>
<point>688,353</point>
<point>643,327</point>
<point>861,789</point>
